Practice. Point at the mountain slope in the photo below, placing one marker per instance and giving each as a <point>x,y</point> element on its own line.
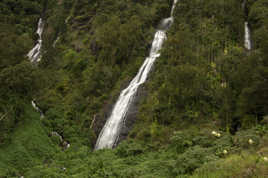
<point>204,81</point>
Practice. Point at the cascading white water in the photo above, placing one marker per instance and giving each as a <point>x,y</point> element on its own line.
<point>35,54</point>
<point>247,37</point>
<point>37,109</point>
<point>64,143</point>
<point>111,130</point>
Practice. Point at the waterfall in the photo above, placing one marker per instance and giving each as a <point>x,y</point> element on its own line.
<point>173,8</point>
<point>247,37</point>
<point>55,42</point>
<point>37,109</point>
<point>64,143</point>
<point>35,54</point>
<point>111,130</point>
<point>247,40</point>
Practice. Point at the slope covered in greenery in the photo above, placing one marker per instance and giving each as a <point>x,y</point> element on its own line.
<point>205,80</point>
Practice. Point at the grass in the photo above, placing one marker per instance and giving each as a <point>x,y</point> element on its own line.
<point>243,165</point>
<point>30,145</point>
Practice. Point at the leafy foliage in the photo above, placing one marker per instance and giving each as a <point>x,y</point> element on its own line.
<point>203,81</point>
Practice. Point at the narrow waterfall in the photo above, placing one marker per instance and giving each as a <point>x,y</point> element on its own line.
<point>111,130</point>
<point>64,144</point>
<point>35,54</point>
<point>247,40</point>
<point>56,41</point>
<point>247,37</point>
<point>173,8</point>
<point>37,109</point>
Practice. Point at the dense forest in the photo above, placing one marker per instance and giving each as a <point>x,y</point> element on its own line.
<point>203,112</point>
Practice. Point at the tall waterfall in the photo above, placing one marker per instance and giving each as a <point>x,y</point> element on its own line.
<point>247,37</point>
<point>111,130</point>
<point>35,54</point>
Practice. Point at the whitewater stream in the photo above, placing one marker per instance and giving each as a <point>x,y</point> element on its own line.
<point>35,54</point>
<point>110,132</point>
<point>247,37</point>
<point>37,109</point>
<point>64,143</point>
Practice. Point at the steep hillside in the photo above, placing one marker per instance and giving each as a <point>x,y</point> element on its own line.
<point>201,113</point>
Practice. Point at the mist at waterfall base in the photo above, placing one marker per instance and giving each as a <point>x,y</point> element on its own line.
<point>109,135</point>
<point>35,54</point>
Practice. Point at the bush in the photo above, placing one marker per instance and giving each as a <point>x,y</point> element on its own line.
<point>126,149</point>
<point>192,159</point>
<point>241,138</point>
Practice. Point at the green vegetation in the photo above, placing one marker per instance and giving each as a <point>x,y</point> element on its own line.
<point>30,145</point>
<point>188,154</point>
<point>204,81</point>
<point>19,79</point>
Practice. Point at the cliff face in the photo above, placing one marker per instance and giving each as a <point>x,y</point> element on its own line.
<point>204,80</point>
